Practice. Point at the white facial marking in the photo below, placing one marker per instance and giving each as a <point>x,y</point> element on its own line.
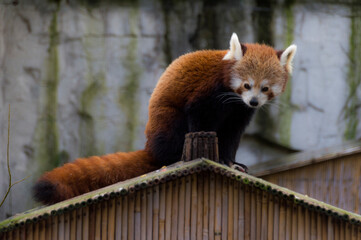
<point>264,83</point>
<point>235,50</point>
<point>256,93</point>
<point>236,83</point>
<point>276,89</point>
<point>262,99</point>
<point>247,96</point>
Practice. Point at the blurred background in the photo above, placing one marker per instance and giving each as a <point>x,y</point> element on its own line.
<point>79,74</point>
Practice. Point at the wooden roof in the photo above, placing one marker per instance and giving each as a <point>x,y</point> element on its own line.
<point>302,159</point>
<point>170,173</point>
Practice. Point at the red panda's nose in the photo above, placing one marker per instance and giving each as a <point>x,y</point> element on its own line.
<point>254,102</point>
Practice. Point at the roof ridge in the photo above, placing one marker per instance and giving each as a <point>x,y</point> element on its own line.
<point>169,173</point>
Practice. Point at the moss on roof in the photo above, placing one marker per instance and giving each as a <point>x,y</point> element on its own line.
<point>170,173</point>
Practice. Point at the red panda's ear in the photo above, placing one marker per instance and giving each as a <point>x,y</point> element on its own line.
<point>286,57</point>
<point>244,49</point>
<point>235,49</point>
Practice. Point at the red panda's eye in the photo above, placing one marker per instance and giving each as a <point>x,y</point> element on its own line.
<point>247,86</point>
<point>264,89</point>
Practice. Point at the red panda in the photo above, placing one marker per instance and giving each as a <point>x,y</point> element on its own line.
<point>209,90</point>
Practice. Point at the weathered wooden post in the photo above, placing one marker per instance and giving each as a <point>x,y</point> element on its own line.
<point>204,144</point>
<point>200,144</point>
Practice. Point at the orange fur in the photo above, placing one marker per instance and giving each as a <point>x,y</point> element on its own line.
<point>188,79</point>
<point>88,174</point>
<point>179,85</point>
<point>261,62</point>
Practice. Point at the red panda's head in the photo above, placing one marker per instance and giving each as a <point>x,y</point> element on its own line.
<point>260,73</point>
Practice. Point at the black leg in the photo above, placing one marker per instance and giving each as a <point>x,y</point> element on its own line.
<point>203,116</point>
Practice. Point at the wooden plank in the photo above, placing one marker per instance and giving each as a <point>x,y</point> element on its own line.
<point>36,230</point>
<point>329,181</point>
<point>162,211</point>
<point>169,210</point>
<point>104,219</point>
<point>354,232</point>
<point>54,228</point>
<point>264,225</point>
<point>300,222</point>
<point>276,219</point>
<point>247,212</point>
<point>205,222</point>
<point>29,231</point>
<point>111,219</point>
<point>230,209</point>
<point>336,231</point>
<point>118,218</point>
<point>241,215</point>
<point>181,204</point>
<point>330,229</point>
<point>155,215</point>
<point>187,215</point>
<point>258,226</point>
<point>67,226</point>
<point>85,221</point>
<point>282,220</point>
<point>253,218</point>
<point>23,232</point>
<point>98,221</point>
<point>305,159</point>
<point>294,222</point>
<point>73,223</point>
<point>90,223</point>
<point>342,230</point>
<point>175,202</point>
<point>16,234</point>
<point>307,225</point>
<point>200,207</point>
<point>324,227</point>
<point>212,206</point>
<point>131,218</point>
<point>348,231</point>
<point>79,224</point>
<point>149,212</point>
<point>288,219</point>
<point>319,226</point>
<point>218,206</point>
<point>142,214</point>
<point>61,228</point>
<point>313,225</point>
<point>224,206</point>
<point>47,229</point>
<point>194,205</point>
<point>139,219</point>
<point>125,220</point>
<point>235,209</point>
<point>9,235</point>
<point>270,217</point>
<point>41,225</point>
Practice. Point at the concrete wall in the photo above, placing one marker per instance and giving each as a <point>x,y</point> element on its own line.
<point>79,74</point>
